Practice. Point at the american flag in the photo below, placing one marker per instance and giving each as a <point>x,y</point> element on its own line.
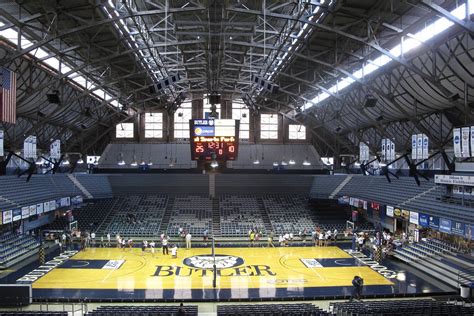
<point>7,96</point>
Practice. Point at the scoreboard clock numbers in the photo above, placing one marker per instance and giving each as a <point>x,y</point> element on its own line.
<point>213,136</point>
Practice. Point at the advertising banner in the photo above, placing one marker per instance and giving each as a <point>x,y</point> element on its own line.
<point>454,179</point>
<point>423,220</point>
<point>25,212</point>
<point>52,205</point>
<point>32,210</point>
<point>414,218</point>
<point>444,225</point>
<point>39,208</point>
<point>16,214</point>
<point>7,216</point>
<point>433,222</point>
<point>458,228</point>
<point>46,207</point>
<point>389,211</point>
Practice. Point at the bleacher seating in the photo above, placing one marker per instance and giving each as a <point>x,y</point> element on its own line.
<point>400,307</point>
<point>97,185</point>
<point>239,214</point>
<point>440,257</point>
<point>193,213</point>
<point>324,185</point>
<point>270,309</point>
<point>402,192</point>
<point>91,215</point>
<point>15,245</point>
<point>33,313</point>
<point>190,310</point>
<point>147,213</point>
<point>288,213</point>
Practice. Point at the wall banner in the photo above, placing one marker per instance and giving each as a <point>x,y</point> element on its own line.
<point>414,218</point>
<point>444,225</point>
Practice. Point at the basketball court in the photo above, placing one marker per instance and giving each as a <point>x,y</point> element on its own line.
<point>242,273</point>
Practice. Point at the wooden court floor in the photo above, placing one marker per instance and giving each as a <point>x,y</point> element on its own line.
<point>238,269</point>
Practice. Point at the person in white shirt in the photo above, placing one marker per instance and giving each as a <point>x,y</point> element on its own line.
<point>281,240</point>
<point>123,243</point>
<point>328,237</point>
<point>174,251</point>
<point>108,239</point>
<point>152,247</point>
<point>360,242</point>
<point>321,239</point>
<point>188,241</point>
<point>334,235</point>
<point>164,243</point>
<point>93,239</point>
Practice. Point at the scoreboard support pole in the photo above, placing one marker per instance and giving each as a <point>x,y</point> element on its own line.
<point>214,268</point>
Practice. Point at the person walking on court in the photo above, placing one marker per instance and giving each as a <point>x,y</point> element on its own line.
<point>270,240</point>
<point>92,239</point>
<point>358,284</point>
<point>188,240</point>
<point>164,243</point>
<point>152,247</point>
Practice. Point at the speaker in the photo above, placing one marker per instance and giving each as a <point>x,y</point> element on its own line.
<point>214,99</point>
<point>370,101</point>
<point>53,97</point>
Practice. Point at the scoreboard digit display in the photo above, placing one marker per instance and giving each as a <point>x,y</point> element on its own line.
<point>213,136</point>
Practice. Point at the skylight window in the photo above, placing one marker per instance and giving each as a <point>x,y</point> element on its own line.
<point>411,42</point>
<point>53,62</point>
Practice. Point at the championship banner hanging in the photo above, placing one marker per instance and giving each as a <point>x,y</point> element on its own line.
<point>419,146</point>
<point>425,147</point>
<point>465,153</point>
<point>55,149</point>
<point>1,142</point>
<point>413,147</point>
<point>472,141</point>
<point>457,142</point>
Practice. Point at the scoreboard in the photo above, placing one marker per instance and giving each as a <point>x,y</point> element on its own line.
<point>214,136</point>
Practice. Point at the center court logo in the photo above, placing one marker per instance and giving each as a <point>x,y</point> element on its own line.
<point>207,261</point>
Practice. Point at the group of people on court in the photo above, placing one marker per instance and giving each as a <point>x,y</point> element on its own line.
<point>320,237</point>
<point>123,243</point>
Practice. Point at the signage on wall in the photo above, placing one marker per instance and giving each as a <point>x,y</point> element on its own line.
<point>389,211</point>
<point>445,225</point>
<point>414,218</point>
<point>423,220</point>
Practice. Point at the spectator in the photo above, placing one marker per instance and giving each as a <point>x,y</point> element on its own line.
<point>358,284</point>
<point>174,251</point>
<point>188,240</point>
<point>164,243</point>
<point>270,240</point>
<point>152,247</point>
<point>251,238</point>
<point>93,239</point>
<point>181,310</point>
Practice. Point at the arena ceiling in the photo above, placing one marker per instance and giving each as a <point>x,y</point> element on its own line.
<point>330,59</point>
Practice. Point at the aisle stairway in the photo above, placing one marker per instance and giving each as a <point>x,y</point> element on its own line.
<point>165,221</point>
<point>216,218</point>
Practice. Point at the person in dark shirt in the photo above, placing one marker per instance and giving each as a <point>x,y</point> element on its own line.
<point>358,284</point>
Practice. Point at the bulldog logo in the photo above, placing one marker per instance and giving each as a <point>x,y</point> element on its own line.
<point>207,261</point>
